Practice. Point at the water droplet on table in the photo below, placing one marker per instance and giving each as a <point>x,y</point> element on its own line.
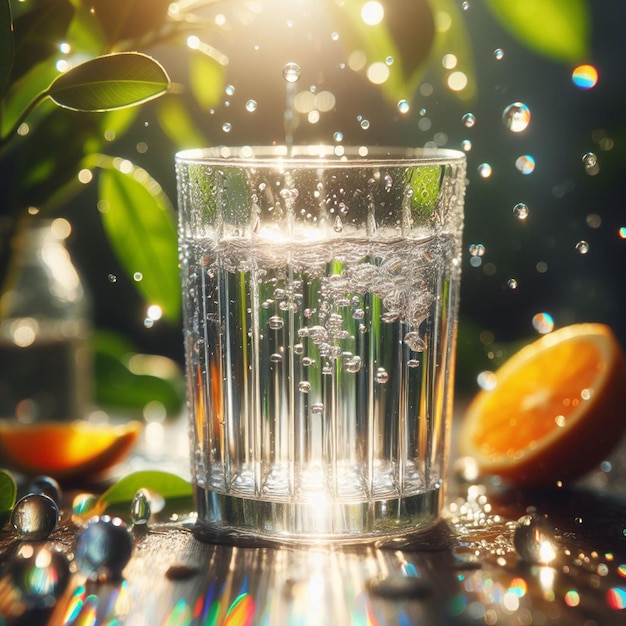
<point>40,573</point>
<point>534,540</point>
<point>140,508</point>
<point>34,517</point>
<point>104,548</point>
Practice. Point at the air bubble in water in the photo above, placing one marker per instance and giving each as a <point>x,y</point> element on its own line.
<point>227,127</point>
<point>485,170</point>
<point>469,120</point>
<point>516,117</point>
<point>292,72</point>
<point>520,210</point>
<point>498,54</point>
<point>338,226</point>
<point>404,106</point>
<point>251,106</point>
<point>317,409</point>
<point>364,124</point>
<point>582,247</point>
<point>276,357</point>
<point>477,249</point>
<point>415,342</point>
<point>534,540</point>
<point>382,376</point>
<point>230,90</point>
<point>34,517</point>
<point>338,136</point>
<point>275,322</point>
<point>525,164</point>
<point>304,386</point>
<point>353,364</point>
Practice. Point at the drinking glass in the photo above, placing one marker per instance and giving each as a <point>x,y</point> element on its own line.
<point>320,289</point>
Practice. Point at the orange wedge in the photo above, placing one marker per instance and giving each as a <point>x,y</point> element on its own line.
<point>65,450</point>
<point>556,411</point>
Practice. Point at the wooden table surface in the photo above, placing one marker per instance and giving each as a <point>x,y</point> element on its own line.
<point>465,571</point>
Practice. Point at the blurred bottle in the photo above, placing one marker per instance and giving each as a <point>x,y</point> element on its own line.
<point>45,324</point>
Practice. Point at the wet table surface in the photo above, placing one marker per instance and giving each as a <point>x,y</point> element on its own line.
<point>475,567</point>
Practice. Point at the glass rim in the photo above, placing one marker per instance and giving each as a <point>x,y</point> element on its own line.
<point>317,155</point>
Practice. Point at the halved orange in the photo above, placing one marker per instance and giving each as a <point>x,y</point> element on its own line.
<point>557,409</point>
<point>65,450</point>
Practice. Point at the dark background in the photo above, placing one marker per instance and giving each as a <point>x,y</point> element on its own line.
<point>566,204</point>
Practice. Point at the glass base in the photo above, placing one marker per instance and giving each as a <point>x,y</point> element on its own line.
<point>257,523</point>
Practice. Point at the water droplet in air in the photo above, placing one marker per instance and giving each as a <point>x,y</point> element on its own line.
<point>34,517</point>
<point>582,247</point>
<point>498,53</point>
<point>465,5</point>
<point>227,127</point>
<point>230,90</point>
<point>404,106</point>
<point>543,323</point>
<point>466,145</point>
<point>590,161</point>
<point>516,117</point>
<point>338,136</point>
<point>104,548</point>
<point>520,210</point>
<point>275,322</point>
<point>140,508</point>
<point>40,573</point>
<point>525,164</point>
<point>534,540</point>
<point>364,124</point>
<point>382,376</point>
<point>485,170</point>
<point>477,249</point>
<point>487,380</point>
<point>112,278</point>
<point>469,120</point>
<point>338,227</point>
<point>47,486</point>
<point>585,76</point>
<point>251,106</point>
<point>511,283</point>
<point>292,72</point>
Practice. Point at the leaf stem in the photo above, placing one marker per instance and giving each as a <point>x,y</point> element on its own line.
<point>33,104</point>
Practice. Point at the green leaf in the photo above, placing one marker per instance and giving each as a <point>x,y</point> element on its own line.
<point>405,35</point>
<point>127,380</point>
<point>8,493</point>
<point>38,33</point>
<point>453,38</point>
<point>206,79</point>
<point>6,44</point>
<point>140,224</point>
<point>129,19</point>
<point>166,484</point>
<point>112,81</point>
<point>559,29</point>
<point>177,124</point>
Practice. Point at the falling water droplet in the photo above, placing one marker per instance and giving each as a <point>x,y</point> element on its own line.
<point>34,517</point>
<point>292,72</point>
<point>404,106</point>
<point>525,164</point>
<point>338,226</point>
<point>590,161</point>
<point>543,323</point>
<point>516,117</point>
<point>140,508</point>
<point>469,120</point>
<point>582,247</point>
<point>477,249</point>
<point>251,106</point>
<point>104,548</point>
<point>534,540</point>
<point>485,170</point>
<point>520,210</point>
